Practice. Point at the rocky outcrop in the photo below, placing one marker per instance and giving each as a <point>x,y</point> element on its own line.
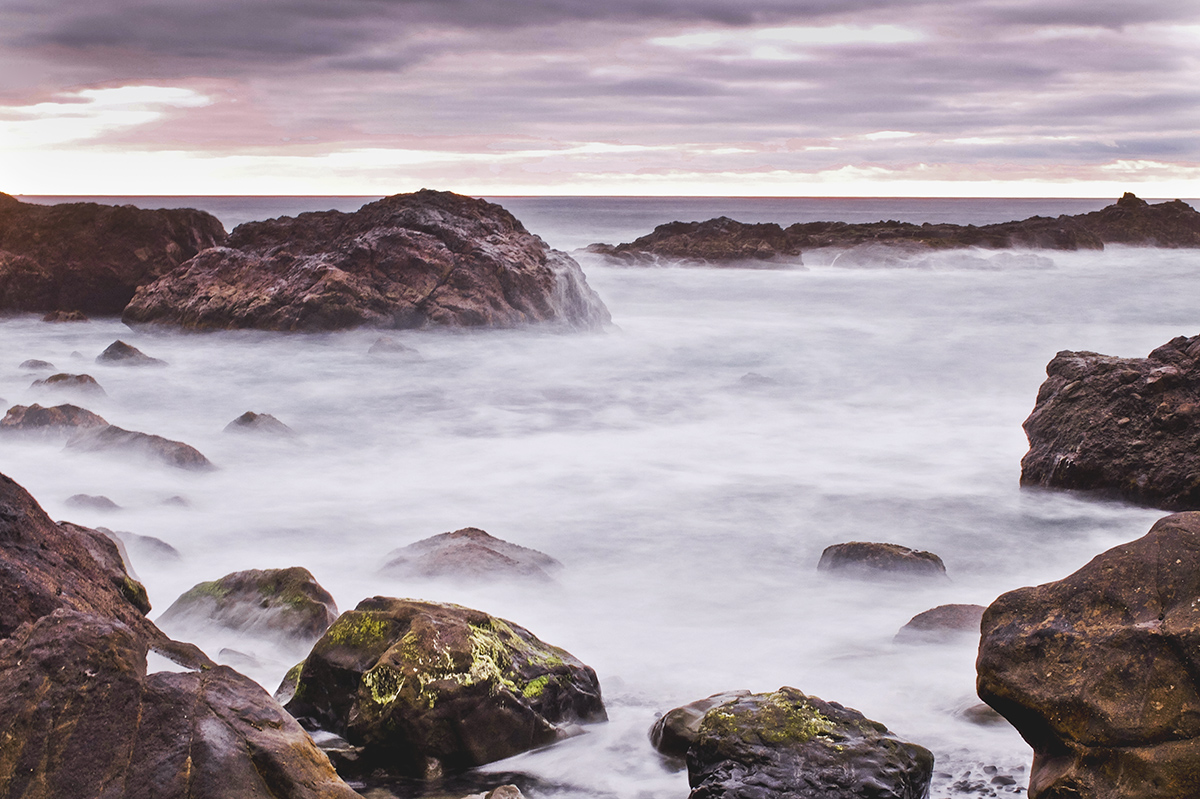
<point>121,354</point>
<point>469,553</point>
<point>720,241</point>
<point>943,623</point>
<point>92,258</point>
<point>277,603</point>
<point>56,419</point>
<point>80,384</point>
<point>1098,671</point>
<point>251,422</point>
<point>410,260</point>
<point>869,558</point>
<point>115,439</point>
<point>1125,427</point>
<point>788,744</point>
<point>426,688</point>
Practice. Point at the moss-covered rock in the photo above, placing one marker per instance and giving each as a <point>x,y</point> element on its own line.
<point>426,688</point>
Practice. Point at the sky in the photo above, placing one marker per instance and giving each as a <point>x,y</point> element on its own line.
<point>1007,98</point>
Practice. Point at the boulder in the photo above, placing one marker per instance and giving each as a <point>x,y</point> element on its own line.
<point>35,365</point>
<point>144,547</point>
<point>787,744</point>
<point>716,242</point>
<point>65,316</point>
<point>410,260</point>
<point>279,603</point>
<point>866,558</point>
<point>58,418</point>
<point>121,354</point>
<point>251,422</point>
<point>1121,427</point>
<point>1098,671</point>
<point>427,688</point>
<point>91,502</point>
<point>115,439</point>
<point>943,623</point>
<point>82,384</point>
<point>80,716</point>
<point>469,553</point>
<point>91,258</point>
<point>676,730</point>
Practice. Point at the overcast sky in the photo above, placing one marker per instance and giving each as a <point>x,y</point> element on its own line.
<point>752,97</point>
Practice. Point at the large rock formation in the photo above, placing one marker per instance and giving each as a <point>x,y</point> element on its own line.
<point>1127,427</point>
<point>720,241</point>
<point>427,258</point>
<point>91,258</point>
<point>1099,671</point>
<point>426,688</point>
<point>790,745</point>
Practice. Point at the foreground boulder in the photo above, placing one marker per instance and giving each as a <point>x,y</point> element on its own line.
<point>717,242</point>
<point>427,688</point>
<point>116,439</point>
<point>91,258</point>
<point>56,419</point>
<point>278,603</point>
<point>410,260</point>
<point>869,558</point>
<point>790,745</point>
<point>1098,671</point>
<point>1125,427</point>
<point>469,553</point>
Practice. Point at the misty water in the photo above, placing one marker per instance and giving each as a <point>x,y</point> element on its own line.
<point>689,503</point>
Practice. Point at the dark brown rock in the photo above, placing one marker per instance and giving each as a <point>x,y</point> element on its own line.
<point>115,439</point>
<point>65,316</point>
<point>279,603</point>
<point>91,258</point>
<point>1098,671</point>
<point>943,623</point>
<point>717,242</point>
<point>82,384</point>
<point>868,558</point>
<point>59,418</point>
<point>121,354</point>
<point>677,729</point>
<point>91,502</point>
<point>251,422</point>
<point>1124,427</point>
<point>35,365</point>
<point>427,688</point>
<point>410,260</point>
<point>469,553</point>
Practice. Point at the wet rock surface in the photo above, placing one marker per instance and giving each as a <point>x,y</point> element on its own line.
<point>121,354</point>
<point>943,623</point>
<point>869,558</point>
<point>426,688</point>
<point>1123,427</point>
<point>1098,670</point>
<point>58,418</point>
<point>410,260</point>
<point>677,729</point>
<point>469,553</point>
<point>116,439</point>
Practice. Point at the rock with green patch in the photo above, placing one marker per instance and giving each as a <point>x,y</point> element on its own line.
<point>427,688</point>
<point>275,603</point>
<point>788,745</point>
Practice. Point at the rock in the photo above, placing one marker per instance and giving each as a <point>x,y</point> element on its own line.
<point>386,345</point>
<point>499,792</point>
<point>91,502</point>
<point>981,714</point>
<point>80,716</point>
<point>277,603</point>
<point>1098,671</point>
<point>943,623</point>
<point>427,688</point>
<point>121,354</point>
<point>863,558</point>
<point>83,384</point>
<point>410,260</point>
<point>717,242</point>
<point>251,422</point>
<point>34,365</point>
<point>144,547</point>
<point>90,258</point>
<point>1122,427</point>
<point>115,439</point>
<point>676,730</point>
<point>469,553</point>
<point>65,316</point>
<point>56,419</point>
<point>1135,221</point>
<point>787,744</point>
<point>176,502</point>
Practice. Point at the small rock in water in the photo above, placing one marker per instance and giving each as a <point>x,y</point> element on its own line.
<point>177,502</point>
<point>85,384</point>
<point>65,316</point>
<point>386,345</point>
<point>121,354</point>
<point>943,623</point>
<point>469,552</point>
<point>144,547</point>
<point>33,364</point>
<point>864,558</point>
<point>251,422</point>
<point>113,438</point>
<point>91,502</point>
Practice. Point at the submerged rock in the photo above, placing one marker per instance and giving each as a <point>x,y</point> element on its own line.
<point>83,384</point>
<point>1125,427</point>
<point>1098,671</point>
<point>58,418</point>
<point>427,688</point>
<point>121,354</point>
<point>91,502</point>
<point>279,603</point>
<point>115,439</point>
<point>251,422</point>
<point>943,623</point>
<point>144,547</point>
<point>65,316</point>
<point>35,365</point>
<point>469,552</point>
<point>386,345</point>
<point>410,260</point>
<point>790,745</point>
<point>868,558</point>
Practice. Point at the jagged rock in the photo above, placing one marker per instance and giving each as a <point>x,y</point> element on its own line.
<point>91,258</point>
<point>1126,427</point>
<point>427,688</point>
<point>1135,221</point>
<point>790,745</point>
<point>121,354</point>
<point>471,553</point>
<point>716,242</point>
<point>65,316</point>
<point>676,730</point>
<point>867,558</point>
<point>115,439</point>
<point>427,258</point>
<point>35,365</point>
<point>943,623</point>
<point>83,384</point>
<point>278,603</point>
<point>59,418</point>
<point>91,502</point>
<point>251,422</point>
<point>1098,671</point>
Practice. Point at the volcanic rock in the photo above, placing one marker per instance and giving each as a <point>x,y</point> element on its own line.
<point>790,745</point>
<point>83,384</point>
<point>91,258</point>
<point>35,365</point>
<point>717,242</point>
<point>427,688</point>
<point>91,502</point>
<point>943,623</point>
<point>278,603</point>
<point>865,558</point>
<point>115,439</point>
<point>409,260</point>
<point>1125,427</point>
<point>470,553</point>
<point>1098,671</point>
<point>59,418</point>
<point>676,730</point>
<point>121,354</point>
<point>251,422</point>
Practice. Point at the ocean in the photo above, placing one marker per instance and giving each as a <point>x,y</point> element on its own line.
<point>689,503</point>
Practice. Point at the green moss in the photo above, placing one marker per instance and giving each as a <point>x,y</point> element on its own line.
<point>358,628</point>
<point>293,674</point>
<point>135,593</point>
<point>774,719</point>
<point>384,683</point>
<point>536,687</point>
<point>214,589</point>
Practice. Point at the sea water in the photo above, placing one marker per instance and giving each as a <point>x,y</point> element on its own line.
<point>688,502</point>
